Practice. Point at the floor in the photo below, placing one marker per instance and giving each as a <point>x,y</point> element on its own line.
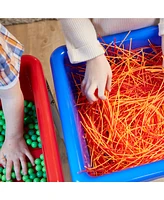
<point>40,39</point>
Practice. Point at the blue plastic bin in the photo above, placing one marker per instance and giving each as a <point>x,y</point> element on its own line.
<point>73,133</point>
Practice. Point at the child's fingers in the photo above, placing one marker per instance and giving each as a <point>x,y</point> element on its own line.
<point>109,83</point>
<point>23,164</point>
<point>3,161</point>
<point>30,157</point>
<point>89,92</point>
<point>8,169</point>
<point>17,169</point>
<point>83,87</point>
<point>101,91</point>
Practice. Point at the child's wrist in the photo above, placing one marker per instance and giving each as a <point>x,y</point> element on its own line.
<point>96,58</point>
<point>13,136</point>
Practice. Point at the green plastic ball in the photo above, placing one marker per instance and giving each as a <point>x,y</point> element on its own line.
<point>43,169</point>
<point>3,178</point>
<point>2,122</point>
<point>28,180</point>
<point>30,171</point>
<point>30,104</point>
<point>32,176</point>
<point>31,126</point>
<point>39,174</point>
<point>21,172</point>
<point>1,128</point>
<point>36,126</point>
<point>38,132</point>
<point>1,112</point>
<point>44,175</point>
<point>33,107</point>
<point>29,165</point>
<point>26,110</point>
<point>38,167</point>
<point>36,180</point>
<point>1,169</point>
<point>29,141</point>
<point>3,132</point>
<point>27,120</point>
<point>30,113</point>
<point>42,163</point>
<point>39,145</point>
<point>26,136</point>
<point>34,137</point>
<point>4,126</point>
<point>31,132</point>
<point>4,171</point>
<point>41,157</point>
<point>25,103</point>
<point>35,120</point>
<point>34,144</point>
<point>2,138</point>
<point>13,175</point>
<point>38,139</point>
<point>38,161</point>
<point>43,180</point>
<point>1,143</point>
<point>25,177</point>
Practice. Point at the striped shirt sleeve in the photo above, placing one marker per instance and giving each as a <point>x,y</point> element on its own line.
<point>11,51</point>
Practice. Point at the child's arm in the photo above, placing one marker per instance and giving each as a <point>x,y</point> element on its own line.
<point>14,148</point>
<point>82,44</point>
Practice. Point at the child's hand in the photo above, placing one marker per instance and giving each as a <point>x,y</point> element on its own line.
<point>15,152</point>
<point>98,74</point>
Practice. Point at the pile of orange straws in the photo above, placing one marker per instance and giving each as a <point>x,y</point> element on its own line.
<point>127,129</point>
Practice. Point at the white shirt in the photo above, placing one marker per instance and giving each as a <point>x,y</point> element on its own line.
<point>81,33</point>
